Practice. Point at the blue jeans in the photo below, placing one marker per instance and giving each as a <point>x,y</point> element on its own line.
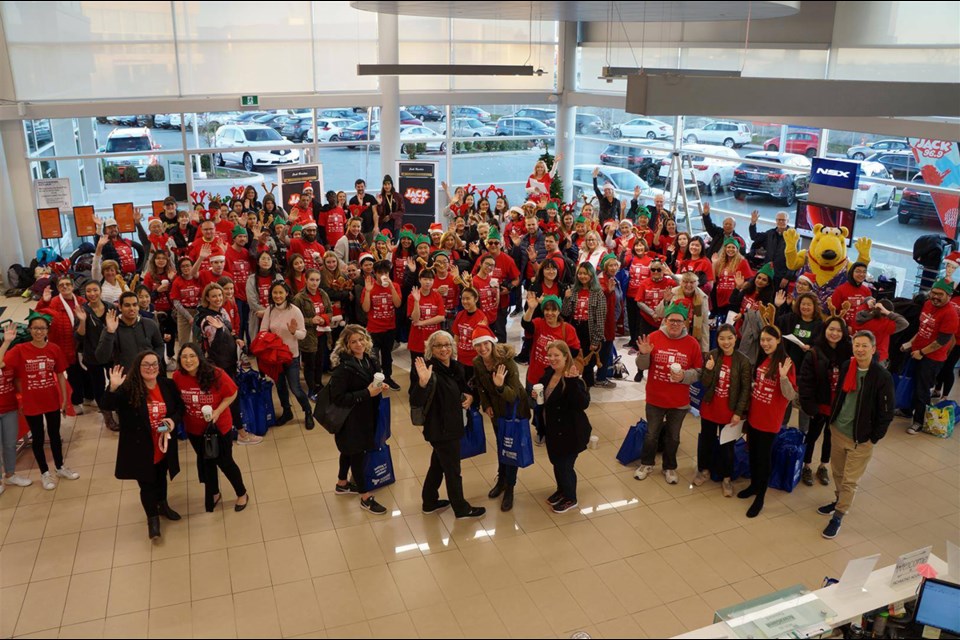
<point>606,360</point>
<point>290,379</point>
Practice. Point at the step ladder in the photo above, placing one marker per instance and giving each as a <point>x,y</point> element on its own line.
<point>682,167</point>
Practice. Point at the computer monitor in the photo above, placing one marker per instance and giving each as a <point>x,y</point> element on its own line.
<point>812,213</point>
<point>938,605</point>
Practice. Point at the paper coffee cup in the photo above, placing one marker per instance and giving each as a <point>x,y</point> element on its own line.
<point>494,283</point>
<point>164,282</point>
<point>385,281</point>
<point>538,392</point>
<point>207,412</point>
<point>675,367</point>
<point>594,442</point>
<point>378,378</point>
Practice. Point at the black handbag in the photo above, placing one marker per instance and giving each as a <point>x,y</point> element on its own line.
<point>211,442</point>
<point>329,414</point>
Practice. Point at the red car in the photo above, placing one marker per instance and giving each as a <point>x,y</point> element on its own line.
<point>804,143</point>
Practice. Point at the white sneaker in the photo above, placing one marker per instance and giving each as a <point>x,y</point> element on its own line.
<point>18,481</point>
<point>2,488</point>
<point>643,471</point>
<point>914,429</point>
<point>66,472</point>
<point>78,409</point>
<point>47,480</point>
<point>701,477</point>
<point>671,476</point>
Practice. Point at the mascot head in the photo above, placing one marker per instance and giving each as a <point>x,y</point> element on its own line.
<point>828,249</point>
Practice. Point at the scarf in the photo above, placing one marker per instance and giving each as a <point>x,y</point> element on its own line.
<point>67,308</point>
<point>850,380</point>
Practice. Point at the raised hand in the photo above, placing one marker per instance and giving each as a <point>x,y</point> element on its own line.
<point>411,264</point>
<point>9,334</point>
<point>205,250</point>
<point>636,192</point>
<point>368,283</point>
<point>137,216</point>
<point>424,372</point>
<point>738,280</point>
<point>103,241</point>
<point>568,293</point>
<point>596,171</point>
<point>292,325</point>
<point>112,321</point>
<point>784,367</point>
<point>116,377</point>
<point>531,253</point>
<point>80,314</point>
<point>532,301</point>
<point>644,346</point>
<point>215,322</point>
<point>710,364</point>
<point>706,208</point>
<point>47,294</point>
<point>780,297</point>
<point>500,375</point>
<point>754,216</point>
<point>415,294</point>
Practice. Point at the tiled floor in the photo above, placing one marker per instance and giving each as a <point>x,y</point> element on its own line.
<point>638,559</point>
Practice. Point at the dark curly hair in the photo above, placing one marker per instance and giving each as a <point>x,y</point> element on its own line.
<point>134,386</point>
<point>206,372</point>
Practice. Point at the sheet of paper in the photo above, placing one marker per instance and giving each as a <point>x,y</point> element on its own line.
<point>906,567</point>
<point>856,573</point>
<point>794,339</point>
<point>953,561</point>
<point>731,317</point>
<point>731,433</point>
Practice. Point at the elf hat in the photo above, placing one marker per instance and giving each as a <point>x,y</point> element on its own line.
<point>493,234</point>
<point>767,270</point>
<point>676,308</point>
<point>605,259</point>
<point>483,334</point>
<point>422,239</point>
<point>943,285</point>
<point>239,231</point>
<point>406,233</point>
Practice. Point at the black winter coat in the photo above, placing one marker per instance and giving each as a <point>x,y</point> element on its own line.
<point>135,449</point>
<point>874,406</point>
<point>222,350</point>
<point>813,379</point>
<point>444,418</point>
<point>566,426</point>
<point>348,388</point>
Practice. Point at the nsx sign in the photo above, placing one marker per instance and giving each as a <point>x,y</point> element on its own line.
<point>834,182</point>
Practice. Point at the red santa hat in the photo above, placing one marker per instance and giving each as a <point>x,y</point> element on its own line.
<point>436,227</point>
<point>953,258</point>
<point>307,185</point>
<point>483,334</point>
<point>366,256</point>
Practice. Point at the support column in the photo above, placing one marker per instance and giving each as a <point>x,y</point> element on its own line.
<point>388,53</point>
<point>17,209</point>
<point>566,113</point>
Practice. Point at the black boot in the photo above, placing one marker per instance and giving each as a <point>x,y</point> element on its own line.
<point>496,490</point>
<point>308,421</point>
<point>285,417</point>
<point>507,503</point>
<point>167,512</point>
<point>153,527</point>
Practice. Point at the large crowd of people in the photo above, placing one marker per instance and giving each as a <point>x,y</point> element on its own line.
<point>340,283</point>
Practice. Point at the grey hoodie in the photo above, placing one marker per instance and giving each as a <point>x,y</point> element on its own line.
<point>122,346</point>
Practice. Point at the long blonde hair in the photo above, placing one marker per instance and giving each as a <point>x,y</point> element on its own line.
<point>723,262</point>
<point>343,341</point>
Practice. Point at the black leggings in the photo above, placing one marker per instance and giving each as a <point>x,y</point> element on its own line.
<point>709,432</point>
<point>75,378</point>
<point>760,446</point>
<point>353,462</point>
<point>155,492</point>
<point>53,430</point>
<point>383,350</point>
<point>207,469</point>
<point>947,374</point>
<point>633,319</point>
<point>313,367</point>
<point>818,424</point>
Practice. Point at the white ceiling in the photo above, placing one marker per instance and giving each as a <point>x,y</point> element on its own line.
<point>586,11</point>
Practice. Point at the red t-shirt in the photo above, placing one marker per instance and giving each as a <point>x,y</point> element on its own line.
<point>240,266</point>
<point>320,309</point>
<point>453,293</point>
<point>162,300</point>
<point>955,302</point>
<point>463,327</point>
<point>853,294</point>
<point>37,370</point>
<point>312,252</point>
<point>156,412</point>
<point>489,297</point>
<point>206,276</point>
<point>234,314</point>
<point>650,293</point>
<point>700,265</point>
<point>263,290</point>
<point>767,402</point>
<point>685,351</point>
<point>637,269</point>
<point>335,224</point>
<point>431,306</point>
<point>544,334</point>
<point>882,328</point>
<point>717,409</point>
<point>8,391</point>
<point>933,322</point>
<point>382,316</point>
<point>399,265</point>
<point>505,271</point>
<point>194,252</point>
<point>195,398</point>
<point>225,231</point>
<point>125,250</point>
<point>726,283</point>
<point>581,306</point>
<point>186,291</point>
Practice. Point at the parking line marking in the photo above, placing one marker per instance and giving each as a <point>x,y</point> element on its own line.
<point>724,199</point>
<point>891,218</point>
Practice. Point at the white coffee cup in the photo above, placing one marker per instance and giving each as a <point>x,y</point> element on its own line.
<point>207,411</point>
<point>494,283</point>
<point>594,442</point>
<point>385,281</point>
<point>675,367</point>
<point>378,378</point>
<point>165,282</point>
<point>538,392</point>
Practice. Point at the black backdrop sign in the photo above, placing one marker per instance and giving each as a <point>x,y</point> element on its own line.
<point>292,180</point>
<point>417,185</point>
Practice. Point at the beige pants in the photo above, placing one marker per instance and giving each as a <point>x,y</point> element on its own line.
<point>184,331</point>
<point>849,461</point>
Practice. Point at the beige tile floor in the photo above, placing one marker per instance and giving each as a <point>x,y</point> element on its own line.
<point>638,559</point>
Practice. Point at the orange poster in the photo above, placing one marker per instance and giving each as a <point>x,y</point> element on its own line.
<point>157,207</point>
<point>85,221</point>
<point>50,227</point>
<point>123,214</point>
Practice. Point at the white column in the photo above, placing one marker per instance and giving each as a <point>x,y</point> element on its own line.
<point>17,209</point>
<point>567,114</point>
<point>388,53</point>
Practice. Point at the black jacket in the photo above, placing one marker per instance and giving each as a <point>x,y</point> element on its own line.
<point>813,379</point>
<point>874,406</point>
<point>444,417</point>
<point>91,338</point>
<point>717,238</point>
<point>741,377</point>
<point>775,247</point>
<point>348,388</point>
<point>123,345</point>
<point>222,350</point>
<point>519,253</point>
<point>566,426</point>
<point>135,448</point>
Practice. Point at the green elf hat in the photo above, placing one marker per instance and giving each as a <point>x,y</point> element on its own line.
<point>422,239</point>
<point>605,259</point>
<point>553,205</point>
<point>296,228</point>
<point>33,315</point>
<point>406,233</point>
<point>767,270</point>
<point>554,299</point>
<point>580,220</point>
<point>733,241</point>
<point>382,238</point>
<point>445,254</point>
<point>676,308</point>
<point>239,231</point>
<point>643,213</point>
<point>943,285</point>
<point>493,234</point>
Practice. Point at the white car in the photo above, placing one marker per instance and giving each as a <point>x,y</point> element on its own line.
<point>328,129</point>
<point>188,119</point>
<point>252,146</point>
<point>730,134</point>
<point>643,128</point>
<point>712,174</point>
<point>623,181</point>
<point>417,134</point>
<point>873,195</point>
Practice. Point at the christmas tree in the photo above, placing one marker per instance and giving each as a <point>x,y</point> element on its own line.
<point>556,188</point>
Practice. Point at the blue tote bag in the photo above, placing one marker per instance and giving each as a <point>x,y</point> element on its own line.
<point>632,445</point>
<point>787,460</point>
<point>382,433</point>
<point>514,444</point>
<point>474,441</point>
<point>903,391</point>
<point>378,468</point>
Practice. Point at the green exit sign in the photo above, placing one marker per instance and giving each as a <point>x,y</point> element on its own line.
<point>249,101</point>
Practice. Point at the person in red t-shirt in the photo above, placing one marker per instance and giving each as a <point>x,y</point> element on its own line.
<point>489,294</point>
<point>218,269</point>
<point>427,315</point>
<point>380,301</point>
<point>466,322</point>
<point>879,318</point>
<point>240,264</point>
<point>9,415</point>
<point>637,264</point>
<point>929,348</point>
<point>185,293</point>
<point>207,393</point>
<point>854,292</point>
<point>507,275</point>
<point>650,293</point>
<point>947,375</point>
<point>774,387</point>
<point>674,360</point>
<point>730,265</point>
<point>697,262</point>
<point>446,285</point>
<point>39,368</point>
<point>207,244</point>
<point>308,247</point>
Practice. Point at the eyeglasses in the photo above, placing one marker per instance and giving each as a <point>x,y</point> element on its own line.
<point>674,321</point>
<point>445,345</point>
<point>39,328</point>
<point>656,270</point>
<point>149,366</point>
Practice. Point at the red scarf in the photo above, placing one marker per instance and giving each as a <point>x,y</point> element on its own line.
<point>850,380</point>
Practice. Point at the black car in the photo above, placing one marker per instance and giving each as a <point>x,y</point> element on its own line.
<point>426,112</point>
<point>750,179</point>
<point>247,117</point>
<point>273,120</point>
<point>589,124</point>
<point>546,116</point>
<point>295,128</point>
<point>342,114</point>
<point>901,165</point>
<point>523,127</point>
<point>643,162</point>
<point>916,204</point>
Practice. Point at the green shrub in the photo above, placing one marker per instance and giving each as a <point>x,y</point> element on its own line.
<point>155,173</point>
<point>130,174</point>
<point>111,174</point>
<point>206,163</point>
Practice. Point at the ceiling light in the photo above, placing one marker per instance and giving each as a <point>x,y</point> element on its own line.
<point>608,73</point>
<point>447,70</point>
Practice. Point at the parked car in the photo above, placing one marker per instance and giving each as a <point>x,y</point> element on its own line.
<point>470,112</point>
<point>861,151</point>
<point>252,146</point>
<point>546,116</point>
<point>916,204</point>
<point>511,126</point>
<point>246,117</point>
<point>730,134</point>
<point>362,130</point>
<point>469,128</point>
<point>873,195</point>
<point>188,119</point>
<point>406,118</point>
<point>589,124</point>
<point>40,129</point>
<point>642,128</point>
<point>623,180</point>
<point>426,112</point>
<point>217,118</point>
<point>328,129</point>
<point>781,184</point>
<point>273,120</point>
<point>295,128</point>
<point>643,162</point>
<point>161,121</point>
<point>123,121</point>
<point>134,147</point>
<point>900,164</point>
<point>712,174</point>
<point>342,114</point>
<point>421,135</point>
<point>805,143</point>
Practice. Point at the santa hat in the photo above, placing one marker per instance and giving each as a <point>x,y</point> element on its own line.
<point>310,225</point>
<point>803,277</point>
<point>483,334</point>
<point>436,227</point>
<point>953,258</point>
<point>366,256</point>
<point>154,219</point>
<point>307,186</point>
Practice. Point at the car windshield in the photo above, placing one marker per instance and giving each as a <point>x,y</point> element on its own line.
<point>752,167</point>
<point>118,145</point>
<point>626,181</point>
<point>471,123</point>
<point>261,135</point>
<point>358,126</point>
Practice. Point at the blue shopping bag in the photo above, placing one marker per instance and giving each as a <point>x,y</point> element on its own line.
<point>378,468</point>
<point>514,444</point>
<point>903,391</point>
<point>741,459</point>
<point>252,415</point>
<point>474,441</point>
<point>787,460</point>
<point>696,398</point>
<point>632,445</point>
<point>382,433</point>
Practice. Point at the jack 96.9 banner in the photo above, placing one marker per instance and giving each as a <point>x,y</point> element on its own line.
<point>417,185</point>
<point>939,165</point>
